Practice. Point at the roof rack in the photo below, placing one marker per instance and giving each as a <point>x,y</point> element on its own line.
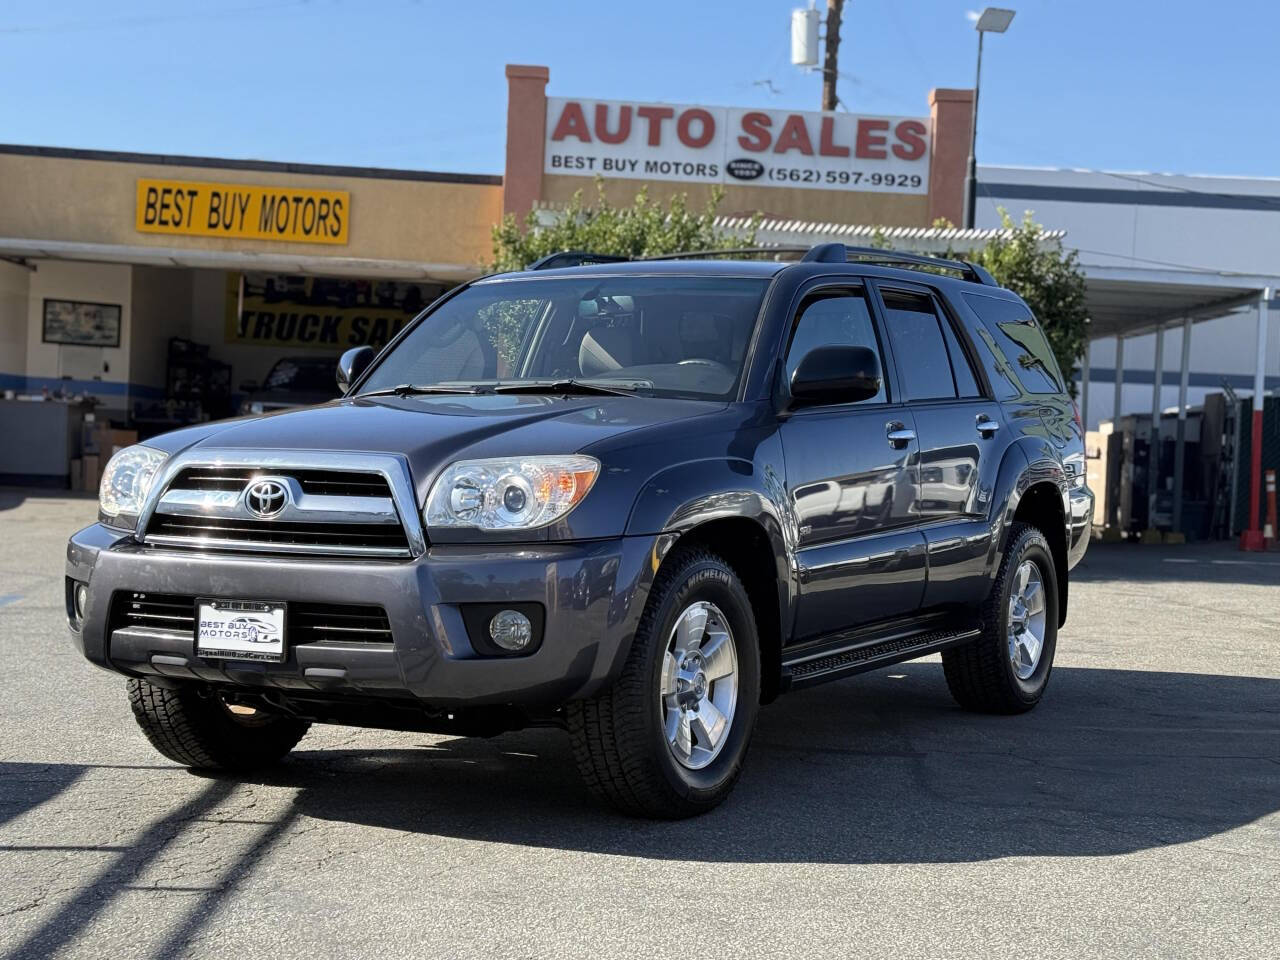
<point>842,253</point>
<point>730,252</point>
<point>821,253</point>
<point>575,258</point>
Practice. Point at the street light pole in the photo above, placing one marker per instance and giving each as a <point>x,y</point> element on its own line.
<point>992,20</point>
<point>971,177</point>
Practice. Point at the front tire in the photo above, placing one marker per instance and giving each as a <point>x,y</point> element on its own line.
<point>196,728</point>
<point>1006,670</point>
<point>668,739</point>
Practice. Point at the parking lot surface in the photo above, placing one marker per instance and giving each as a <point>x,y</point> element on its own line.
<point>1136,812</point>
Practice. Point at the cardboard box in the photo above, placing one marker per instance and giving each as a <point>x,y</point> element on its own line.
<point>76,473</point>
<point>118,440</point>
<point>100,438</point>
<point>90,472</point>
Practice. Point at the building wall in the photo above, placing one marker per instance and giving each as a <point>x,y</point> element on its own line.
<point>103,371</point>
<point>54,197</point>
<point>1145,219</point>
<point>14,283</point>
<point>161,309</point>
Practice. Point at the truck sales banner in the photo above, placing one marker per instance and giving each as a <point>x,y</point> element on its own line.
<point>322,313</point>
<point>776,148</point>
<point>238,210</point>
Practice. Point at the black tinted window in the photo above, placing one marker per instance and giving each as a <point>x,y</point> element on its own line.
<point>918,346</point>
<point>842,319</point>
<point>966,382</point>
<point>1017,344</point>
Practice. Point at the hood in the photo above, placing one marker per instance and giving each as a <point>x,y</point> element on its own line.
<point>279,399</point>
<point>432,431</point>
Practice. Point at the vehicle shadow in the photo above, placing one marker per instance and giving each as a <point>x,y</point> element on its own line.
<point>879,769</point>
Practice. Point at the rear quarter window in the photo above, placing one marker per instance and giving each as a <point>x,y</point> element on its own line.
<point>1014,348</point>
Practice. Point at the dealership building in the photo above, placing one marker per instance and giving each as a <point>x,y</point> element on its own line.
<point>161,286</point>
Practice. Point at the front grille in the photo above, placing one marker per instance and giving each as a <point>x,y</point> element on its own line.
<point>338,622</point>
<point>157,611</point>
<point>327,483</point>
<point>324,511</point>
<point>286,536</point>
<point>305,623</point>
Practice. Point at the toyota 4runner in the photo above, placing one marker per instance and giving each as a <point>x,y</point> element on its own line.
<point>635,500</point>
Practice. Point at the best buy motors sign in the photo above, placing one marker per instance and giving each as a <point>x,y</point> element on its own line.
<point>776,148</point>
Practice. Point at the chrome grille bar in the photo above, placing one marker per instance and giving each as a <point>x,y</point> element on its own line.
<point>345,504</point>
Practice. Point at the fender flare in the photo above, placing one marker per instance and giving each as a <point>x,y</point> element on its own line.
<point>1026,464</point>
<point>680,498</point>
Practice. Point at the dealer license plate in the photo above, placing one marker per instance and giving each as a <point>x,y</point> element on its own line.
<point>240,629</point>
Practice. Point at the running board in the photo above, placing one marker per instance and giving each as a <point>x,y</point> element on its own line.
<point>831,661</point>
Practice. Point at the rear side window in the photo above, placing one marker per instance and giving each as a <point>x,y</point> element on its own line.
<point>919,348</point>
<point>1017,344</point>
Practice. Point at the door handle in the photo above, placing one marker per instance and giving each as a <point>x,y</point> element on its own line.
<point>899,435</point>
<point>986,426</point>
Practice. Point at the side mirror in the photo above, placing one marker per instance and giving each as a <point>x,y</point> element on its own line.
<point>836,374</point>
<point>248,386</point>
<point>353,363</point>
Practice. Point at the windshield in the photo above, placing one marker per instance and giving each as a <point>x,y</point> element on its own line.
<point>661,336</point>
<point>310,374</point>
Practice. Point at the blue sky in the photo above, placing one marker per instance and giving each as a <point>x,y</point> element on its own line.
<point>1127,85</point>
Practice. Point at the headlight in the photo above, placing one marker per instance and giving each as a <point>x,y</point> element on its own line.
<point>125,484</point>
<point>516,494</point>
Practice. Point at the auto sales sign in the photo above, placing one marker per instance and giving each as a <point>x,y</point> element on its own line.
<point>776,148</point>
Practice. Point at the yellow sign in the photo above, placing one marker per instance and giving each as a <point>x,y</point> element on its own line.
<point>242,211</point>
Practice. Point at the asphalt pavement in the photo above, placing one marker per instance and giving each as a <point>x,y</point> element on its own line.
<point>1135,813</point>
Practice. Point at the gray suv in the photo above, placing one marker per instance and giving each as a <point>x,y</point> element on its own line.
<point>632,499</point>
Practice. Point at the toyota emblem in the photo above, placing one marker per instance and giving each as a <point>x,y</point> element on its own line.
<point>266,498</point>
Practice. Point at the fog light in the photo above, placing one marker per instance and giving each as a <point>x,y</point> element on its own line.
<point>511,630</point>
<point>81,600</point>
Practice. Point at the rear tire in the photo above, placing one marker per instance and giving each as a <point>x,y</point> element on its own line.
<point>194,727</point>
<point>1000,672</point>
<point>641,745</point>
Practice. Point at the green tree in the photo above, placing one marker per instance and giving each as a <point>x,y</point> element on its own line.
<point>1049,279</point>
<point>643,229</point>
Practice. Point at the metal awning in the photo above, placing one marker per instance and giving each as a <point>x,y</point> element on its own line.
<point>306,264</point>
<point>1128,302</point>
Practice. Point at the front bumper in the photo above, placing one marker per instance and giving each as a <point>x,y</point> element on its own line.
<point>593,593</point>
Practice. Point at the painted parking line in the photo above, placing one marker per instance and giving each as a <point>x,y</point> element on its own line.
<point>8,598</point>
<point>1225,563</point>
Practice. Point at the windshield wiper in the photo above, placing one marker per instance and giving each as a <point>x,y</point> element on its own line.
<point>413,389</point>
<point>579,387</point>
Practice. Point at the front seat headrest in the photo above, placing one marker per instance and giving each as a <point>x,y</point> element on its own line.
<point>604,350</point>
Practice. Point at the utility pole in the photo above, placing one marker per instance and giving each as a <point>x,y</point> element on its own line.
<point>829,60</point>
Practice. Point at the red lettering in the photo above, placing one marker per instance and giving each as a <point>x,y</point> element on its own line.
<point>794,136</point>
<point>910,134</point>
<point>654,117</point>
<point>686,121</point>
<point>870,141</point>
<point>572,123</point>
<point>602,124</point>
<point>826,140</point>
<point>755,126</point>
